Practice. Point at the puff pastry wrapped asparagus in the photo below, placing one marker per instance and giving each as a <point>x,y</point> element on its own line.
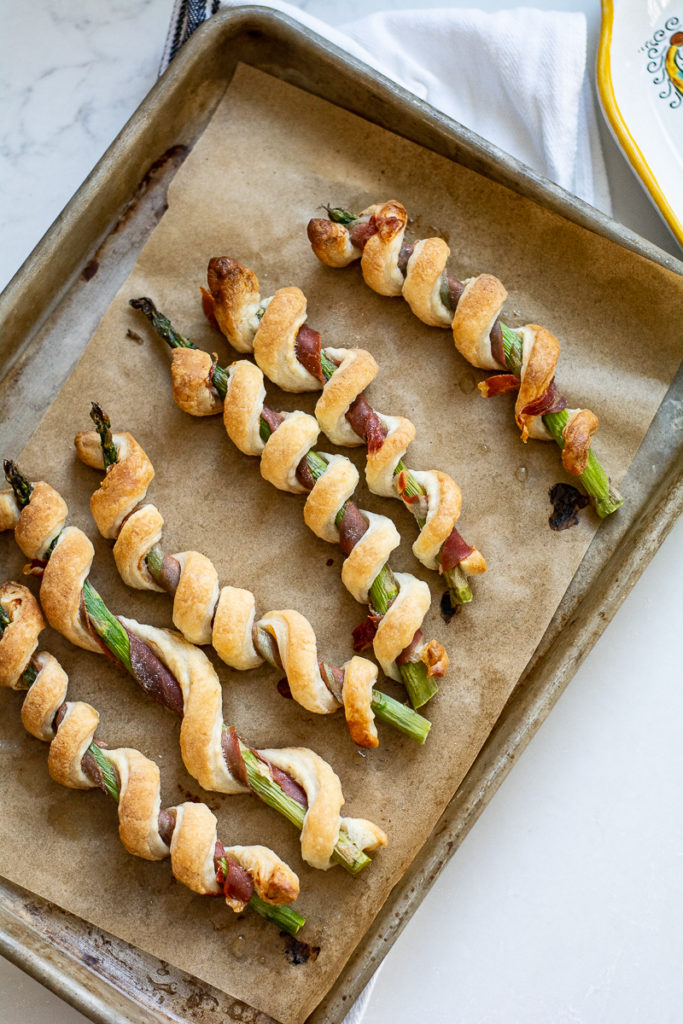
<point>294,781</point>
<point>248,876</point>
<point>225,617</point>
<point>526,357</point>
<point>291,354</point>
<point>285,443</point>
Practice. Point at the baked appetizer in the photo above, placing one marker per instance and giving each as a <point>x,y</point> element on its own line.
<point>290,353</point>
<point>225,617</point>
<point>524,358</point>
<point>285,442</point>
<point>248,876</point>
<point>294,781</point>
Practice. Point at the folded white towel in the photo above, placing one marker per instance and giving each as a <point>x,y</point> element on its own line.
<point>518,78</point>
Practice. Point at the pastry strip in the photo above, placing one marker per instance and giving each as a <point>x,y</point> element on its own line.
<point>290,353</point>
<point>226,617</point>
<point>289,467</point>
<point>251,876</point>
<point>471,308</point>
<point>180,676</point>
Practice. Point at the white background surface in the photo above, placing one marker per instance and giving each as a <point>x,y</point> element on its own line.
<point>565,903</point>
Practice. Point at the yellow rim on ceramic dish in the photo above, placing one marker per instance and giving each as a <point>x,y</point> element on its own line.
<point>620,128</point>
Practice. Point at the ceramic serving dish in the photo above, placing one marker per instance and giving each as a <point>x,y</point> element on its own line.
<point>640,82</point>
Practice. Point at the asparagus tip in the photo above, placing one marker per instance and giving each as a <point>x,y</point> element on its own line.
<point>103,427</point>
<point>99,417</point>
<point>338,215</point>
<point>145,305</point>
<point>19,483</point>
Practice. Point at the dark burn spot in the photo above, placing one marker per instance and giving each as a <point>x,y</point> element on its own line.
<point>448,609</point>
<point>567,503</point>
<point>283,689</point>
<point>299,952</point>
<point>89,272</point>
<point>330,561</point>
<point>175,154</point>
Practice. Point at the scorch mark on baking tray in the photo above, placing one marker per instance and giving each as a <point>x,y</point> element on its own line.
<point>90,270</point>
<point>173,157</point>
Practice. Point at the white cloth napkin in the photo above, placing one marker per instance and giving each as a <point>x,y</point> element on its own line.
<point>518,78</point>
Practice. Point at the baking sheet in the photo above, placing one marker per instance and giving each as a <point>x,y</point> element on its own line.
<point>288,152</point>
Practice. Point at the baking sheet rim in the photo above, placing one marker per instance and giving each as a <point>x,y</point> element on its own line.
<point>661,520</point>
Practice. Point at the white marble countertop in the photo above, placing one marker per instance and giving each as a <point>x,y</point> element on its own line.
<point>564,903</point>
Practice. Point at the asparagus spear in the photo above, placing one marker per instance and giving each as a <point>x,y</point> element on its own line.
<point>604,498</point>
<point>259,775</point>
<point>103,773</point>
<point>421,688</point>
<point>387,708</point>
<point>103,427</point>
<point>456,580</point>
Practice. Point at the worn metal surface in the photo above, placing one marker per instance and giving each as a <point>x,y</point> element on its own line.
<point>72,276</point>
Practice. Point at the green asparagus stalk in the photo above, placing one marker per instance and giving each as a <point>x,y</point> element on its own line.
<point>20,484</point>
<point>604,498</point>
<point>419,686</point>
<point>108,773</point>
<point>103,427</point>
<point>110,630</point>
<point>401,717</point>
<point>456,579</point>
<point>285,917</point>
<point>260,779</point>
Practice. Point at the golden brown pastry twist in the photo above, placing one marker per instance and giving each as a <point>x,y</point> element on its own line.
<point>471,309</point>
<point>281,455</point>
<point>61,555</point>
<point>289,353</point>
<point>203,751</point>
<point>186,833</point>
<point>224,617</point>
<point>180,676</point>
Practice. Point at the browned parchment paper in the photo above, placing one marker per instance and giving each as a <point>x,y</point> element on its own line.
<point>269,158</point>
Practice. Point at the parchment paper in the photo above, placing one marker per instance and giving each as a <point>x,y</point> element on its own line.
<point>271,155</point>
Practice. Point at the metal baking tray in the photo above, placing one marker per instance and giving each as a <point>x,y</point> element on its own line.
<point>49,311</point>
